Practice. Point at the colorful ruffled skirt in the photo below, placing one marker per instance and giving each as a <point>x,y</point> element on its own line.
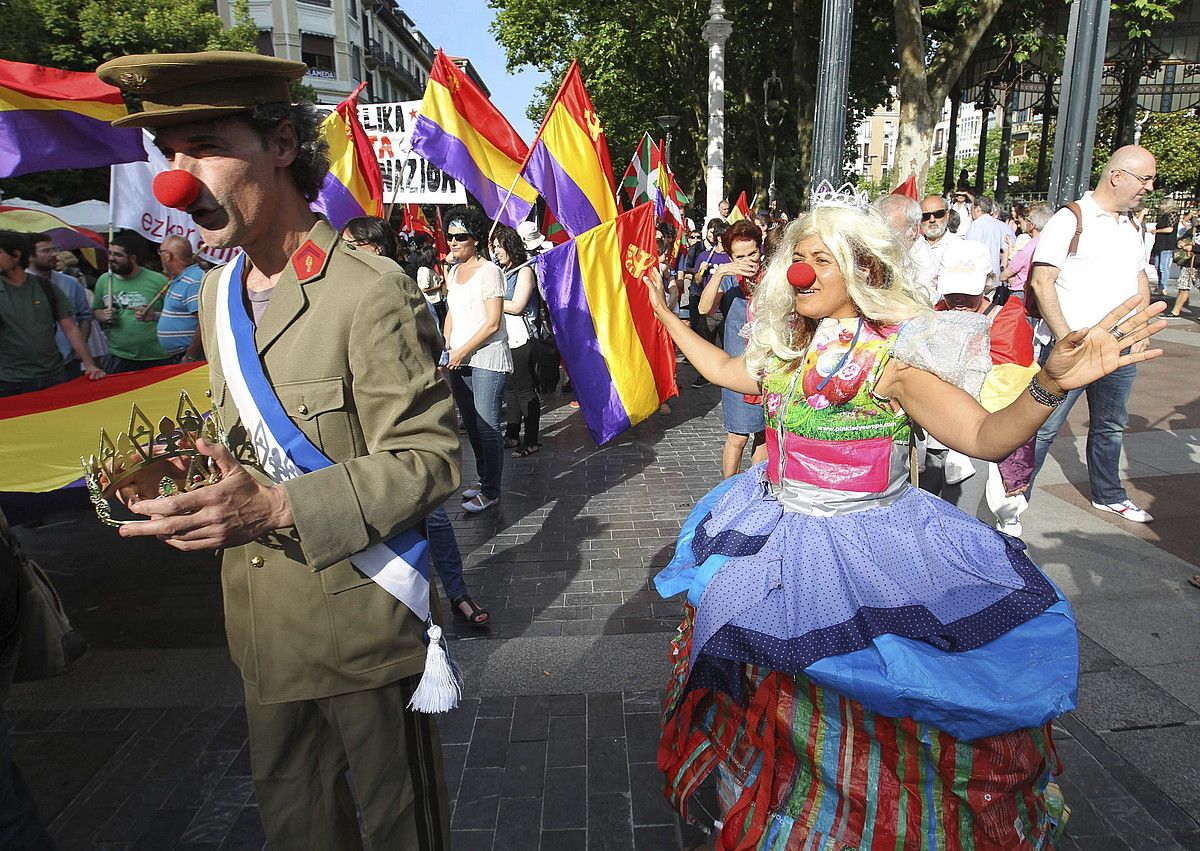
<point>882,678</point>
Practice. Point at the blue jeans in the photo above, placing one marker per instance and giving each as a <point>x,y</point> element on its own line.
<point>1108,412</point>
<point>443,549</point>
<point>478,395</point>
<point>1163,262</point>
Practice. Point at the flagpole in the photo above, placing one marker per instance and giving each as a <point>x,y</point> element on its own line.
<point>529,153</point>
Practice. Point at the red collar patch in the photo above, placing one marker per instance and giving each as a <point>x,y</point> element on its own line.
<point>308,261</point>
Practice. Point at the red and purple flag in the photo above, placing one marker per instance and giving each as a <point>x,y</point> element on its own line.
<point>51,119</point>
<point>568,162</point>
<point>619,356</point>
<point>353,185</point>
<point>461,132</point>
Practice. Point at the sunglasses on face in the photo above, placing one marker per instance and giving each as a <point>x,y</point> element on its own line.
<point>457,237</point>
<point>933,214</point>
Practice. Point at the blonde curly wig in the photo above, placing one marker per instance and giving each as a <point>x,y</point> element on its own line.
<point>873,262</point>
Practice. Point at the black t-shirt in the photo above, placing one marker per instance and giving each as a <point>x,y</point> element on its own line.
<point>1166,241</point>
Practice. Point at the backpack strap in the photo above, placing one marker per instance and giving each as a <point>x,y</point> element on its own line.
<point>1074,208</point>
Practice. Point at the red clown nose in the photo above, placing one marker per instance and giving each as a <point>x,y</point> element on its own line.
<point>176,189</point>
<point>801,275</point>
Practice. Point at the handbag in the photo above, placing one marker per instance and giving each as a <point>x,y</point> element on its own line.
<point>48,645</point>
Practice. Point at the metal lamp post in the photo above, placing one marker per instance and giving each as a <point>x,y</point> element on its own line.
<point>716,32</point>
<point>666,122</point>
<point>833,82</point>
<point>772,117</point>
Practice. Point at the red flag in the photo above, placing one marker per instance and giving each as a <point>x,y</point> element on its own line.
<point>909,188</point>
<point>439,237</point>
<point>741,210</point>
<point>412,219</point>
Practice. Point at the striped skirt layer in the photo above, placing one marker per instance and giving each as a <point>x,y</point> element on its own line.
<point>801,767</point>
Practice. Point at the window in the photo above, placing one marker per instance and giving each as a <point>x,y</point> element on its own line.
<point>264,44</point>
<point>886,151</point>
<point>356,62</point>
<point>938,140</point>
<point>316,51</point>
<point>866,151</point>
<point>352,7</point>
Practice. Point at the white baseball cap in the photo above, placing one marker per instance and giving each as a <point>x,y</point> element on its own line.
<point>965,268</point>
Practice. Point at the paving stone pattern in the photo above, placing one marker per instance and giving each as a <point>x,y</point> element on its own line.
<point>570,553</point>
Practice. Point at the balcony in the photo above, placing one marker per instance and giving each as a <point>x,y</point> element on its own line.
<point>377,59</point>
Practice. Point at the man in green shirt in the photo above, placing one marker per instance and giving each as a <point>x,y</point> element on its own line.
<point>31,310</point>
<point>133,343</point>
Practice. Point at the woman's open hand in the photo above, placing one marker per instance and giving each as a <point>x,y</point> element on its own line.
<point>1089,354</point>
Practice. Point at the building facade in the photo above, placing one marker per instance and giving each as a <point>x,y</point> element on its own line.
<point>347,42</point>
<point>876,138</point>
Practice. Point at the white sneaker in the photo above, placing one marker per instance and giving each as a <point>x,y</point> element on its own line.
<point>472,492</point>
<point>1126,509</point>
<point>479,503</point>
<point>1010,527</point>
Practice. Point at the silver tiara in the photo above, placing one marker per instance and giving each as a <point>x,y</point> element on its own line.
<point>824,195</point>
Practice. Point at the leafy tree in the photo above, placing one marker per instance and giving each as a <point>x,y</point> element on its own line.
<point>643,58</point>
<point>934,42</point>
<point>78,36</point>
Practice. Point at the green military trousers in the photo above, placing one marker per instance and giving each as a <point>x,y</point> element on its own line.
<point>301,750</point>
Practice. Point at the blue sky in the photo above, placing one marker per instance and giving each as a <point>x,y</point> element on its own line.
<point>462,28</point>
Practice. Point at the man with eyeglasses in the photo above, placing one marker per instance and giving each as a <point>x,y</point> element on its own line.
<point>935,227</point>
<point>1090,259</point>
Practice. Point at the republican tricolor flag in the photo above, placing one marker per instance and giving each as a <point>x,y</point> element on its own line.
<point>51,119</point>
<point>568,162</point>
<point>463,134</point>
<point>619,356</point>
<point>353,185</point>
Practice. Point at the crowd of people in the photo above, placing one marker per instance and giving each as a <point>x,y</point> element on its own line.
<point>826,596</point>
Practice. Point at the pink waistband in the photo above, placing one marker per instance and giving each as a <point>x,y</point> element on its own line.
<point>849,465</point>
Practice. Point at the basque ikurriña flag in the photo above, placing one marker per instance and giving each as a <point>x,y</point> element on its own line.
<point>463,134</point>
<point>568,162</point>
<point>619,356</point>
<point>353,185</point>
<point>51,119</point>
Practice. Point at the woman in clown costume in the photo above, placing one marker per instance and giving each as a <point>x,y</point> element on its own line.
<point>863,665</point>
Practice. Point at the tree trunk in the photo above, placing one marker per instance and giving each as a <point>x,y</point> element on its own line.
<point>924,87</point>
<point>918,118</point>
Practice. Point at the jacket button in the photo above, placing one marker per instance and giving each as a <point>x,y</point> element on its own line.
<point>303,409</point>
<point>256,561</point>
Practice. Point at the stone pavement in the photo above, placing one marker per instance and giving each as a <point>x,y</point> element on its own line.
<point>143,745</point>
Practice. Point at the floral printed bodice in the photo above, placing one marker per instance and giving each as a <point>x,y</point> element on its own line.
<point>833,398</point>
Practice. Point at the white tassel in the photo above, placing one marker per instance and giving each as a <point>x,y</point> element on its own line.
<point>441,684</point>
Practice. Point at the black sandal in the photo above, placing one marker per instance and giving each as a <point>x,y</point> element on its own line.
<point>524,451</point>
<point>479,616</point>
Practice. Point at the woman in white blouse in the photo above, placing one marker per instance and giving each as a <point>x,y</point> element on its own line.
<point>478,358</point>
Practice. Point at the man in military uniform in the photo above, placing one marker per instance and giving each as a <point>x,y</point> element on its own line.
<point>329,658</point>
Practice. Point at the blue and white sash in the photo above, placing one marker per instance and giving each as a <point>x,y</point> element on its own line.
<point>399,565</point>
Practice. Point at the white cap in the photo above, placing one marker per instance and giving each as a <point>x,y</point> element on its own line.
<point>965,268</point>
<point>532,237</point>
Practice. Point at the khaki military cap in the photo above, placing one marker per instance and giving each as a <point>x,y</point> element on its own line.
<point>177,88</point>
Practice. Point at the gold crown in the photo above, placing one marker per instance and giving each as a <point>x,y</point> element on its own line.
<point>142,446</point>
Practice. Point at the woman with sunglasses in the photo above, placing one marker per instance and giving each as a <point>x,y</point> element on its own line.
<point>479,361</point>
<point>368,233</point>
<point>864,665</point>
